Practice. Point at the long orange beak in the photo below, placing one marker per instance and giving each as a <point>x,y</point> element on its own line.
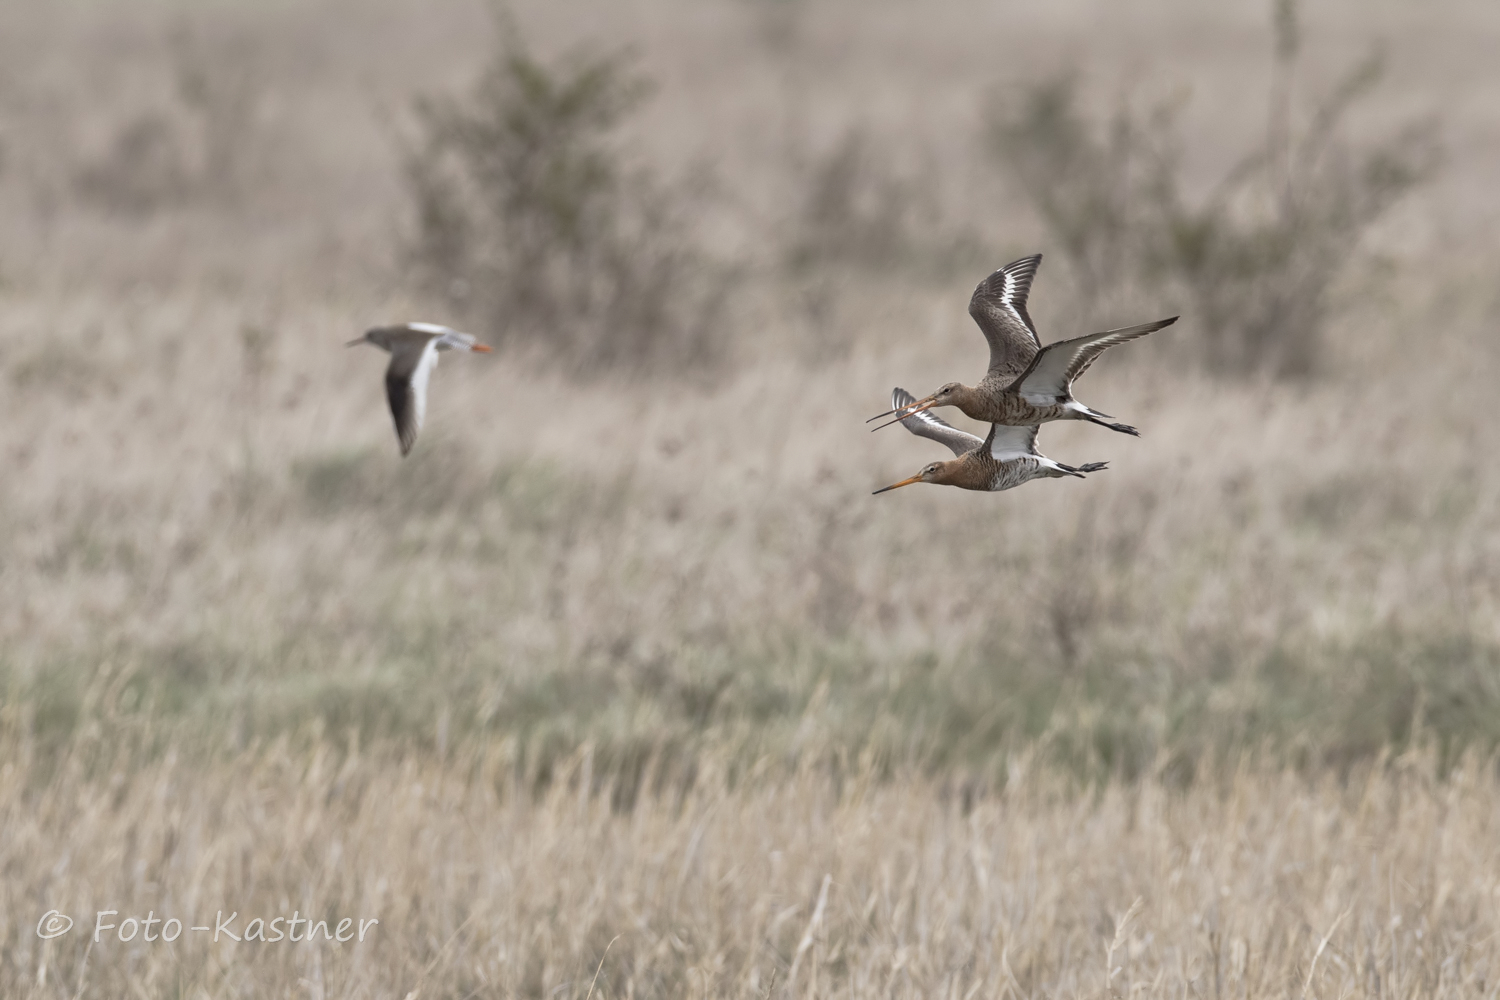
<point>915,408</point>
<point>482,348</point>
<point>896,486</point>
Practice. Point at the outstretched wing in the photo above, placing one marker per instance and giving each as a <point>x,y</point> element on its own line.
<point>1008,441</point>
<point>999,307</point>
<point>455,341</point>
<point>445,337</point>
<point>926,425</point>
<point>406,387</point>
<point>1052,372</point>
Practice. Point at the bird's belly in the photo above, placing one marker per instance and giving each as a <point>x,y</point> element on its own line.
<point>1013,473</point>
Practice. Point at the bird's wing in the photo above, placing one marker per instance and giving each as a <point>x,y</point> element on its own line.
<point>406,387</point>
<point>999,307</point>
<point>926,425</point>
<point>1052,371</point>
<point>1006,441</point>
<point>455,341</point>
<point>448,339</point>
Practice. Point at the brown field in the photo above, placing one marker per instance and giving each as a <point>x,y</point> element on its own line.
<point>629,675</point>
<point>1265,884</point>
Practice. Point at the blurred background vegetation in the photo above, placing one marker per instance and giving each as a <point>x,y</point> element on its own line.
<point>1254,259</point>
<point>709,240</point>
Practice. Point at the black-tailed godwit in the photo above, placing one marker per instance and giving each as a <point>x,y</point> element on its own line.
<point>1002,461</point>
<point>1026,383</point>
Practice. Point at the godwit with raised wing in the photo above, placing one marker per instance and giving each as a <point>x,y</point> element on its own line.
<point>1002,461</point>
<point>414,349</point>
<point>1026,383</point>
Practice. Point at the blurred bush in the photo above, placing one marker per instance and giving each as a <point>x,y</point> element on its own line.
<point>1256,257</point>
<point>856,211</point>
<point>203,146</point>
<point>529,218</point>
<point>144,167</point>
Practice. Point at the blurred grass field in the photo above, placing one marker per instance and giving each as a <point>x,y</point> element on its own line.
<point>656,617</point>
<point>244,557</point>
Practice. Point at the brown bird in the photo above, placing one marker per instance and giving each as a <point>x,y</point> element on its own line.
<point>1026,383</point>
<point>414,349</point>
<point>1002,461</point>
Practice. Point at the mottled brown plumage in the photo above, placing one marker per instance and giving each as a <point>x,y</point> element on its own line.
<point>1002,461</point>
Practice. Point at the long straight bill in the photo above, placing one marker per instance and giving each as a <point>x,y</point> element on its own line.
<point>899,409</point>
<point>911,411</point>
<point>896,486</point>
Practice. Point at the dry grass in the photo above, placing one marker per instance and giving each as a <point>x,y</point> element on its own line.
<point>217,578</point>
<point>1265,885</point>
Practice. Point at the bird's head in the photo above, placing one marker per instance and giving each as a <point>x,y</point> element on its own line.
<point>947,394</point>
<point>937,472</point>
<point>368,337</point>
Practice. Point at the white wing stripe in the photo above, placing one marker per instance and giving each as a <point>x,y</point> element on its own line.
<point>1055,367</point>
<point>419,377</point>
<point>929,425</point>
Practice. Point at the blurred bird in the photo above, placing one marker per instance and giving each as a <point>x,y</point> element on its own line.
<point>1002,461</point>
<point>1026,383</point>
<point>414,349</point>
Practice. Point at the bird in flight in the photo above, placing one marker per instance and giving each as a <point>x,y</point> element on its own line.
<point>1026,383</point>
<point>414,349</point>
<point>1002,461</point>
